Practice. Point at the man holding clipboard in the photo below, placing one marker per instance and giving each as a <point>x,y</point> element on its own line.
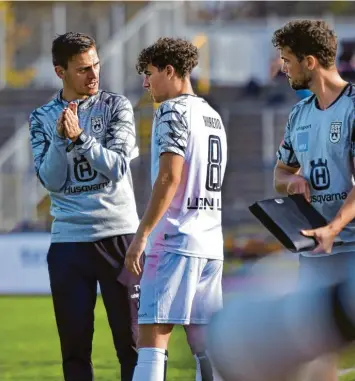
<point>316,156</point>
<point>267,337</point>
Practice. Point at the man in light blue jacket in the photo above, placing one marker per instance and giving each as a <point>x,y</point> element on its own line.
<point>83,141</point>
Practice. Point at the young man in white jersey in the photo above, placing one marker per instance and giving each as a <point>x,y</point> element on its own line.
<point>316,159</point>
<point>181,229</point>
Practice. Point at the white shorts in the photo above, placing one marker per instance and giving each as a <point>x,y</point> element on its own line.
<point>179,289</point>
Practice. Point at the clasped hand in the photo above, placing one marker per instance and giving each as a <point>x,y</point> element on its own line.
<point>68,123</point>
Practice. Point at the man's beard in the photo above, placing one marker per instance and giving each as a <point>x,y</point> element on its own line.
<point>301,84</point>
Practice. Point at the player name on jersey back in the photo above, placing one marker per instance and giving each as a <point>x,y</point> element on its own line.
<point>212,122</point>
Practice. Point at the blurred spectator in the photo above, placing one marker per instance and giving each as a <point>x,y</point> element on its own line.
<point>276,68</point>
<point>252,88</point>
<point>27,226</point>
<point>277,82</point>
<point>245,11</point>
<point>347,64</point>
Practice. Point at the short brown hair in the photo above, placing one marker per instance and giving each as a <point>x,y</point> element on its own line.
<point>179,53</point>
<point>68,45</point>
<point>308,37</point>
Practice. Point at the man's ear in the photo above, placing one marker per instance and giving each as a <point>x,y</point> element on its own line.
<point>59,70</point>
<point>310,62</point>
<point>170,71</point>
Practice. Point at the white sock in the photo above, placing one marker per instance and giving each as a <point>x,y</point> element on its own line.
<point>151,365</point>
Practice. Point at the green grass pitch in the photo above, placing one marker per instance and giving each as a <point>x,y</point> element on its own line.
<point>30,346</point>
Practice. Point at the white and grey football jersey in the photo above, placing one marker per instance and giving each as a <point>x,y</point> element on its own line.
<point>190,127</point>
<point>322,144</point>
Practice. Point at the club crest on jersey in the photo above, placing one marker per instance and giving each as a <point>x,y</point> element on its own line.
<point>335,132</point>
<point>97,125</point>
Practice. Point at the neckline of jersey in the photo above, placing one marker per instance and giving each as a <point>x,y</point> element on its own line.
<point>191,95</point>
<point>316,105</point>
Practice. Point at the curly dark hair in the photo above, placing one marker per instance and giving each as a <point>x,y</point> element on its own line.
<point>308,37</point>
<point>68,45</point>
<point>181,54</point>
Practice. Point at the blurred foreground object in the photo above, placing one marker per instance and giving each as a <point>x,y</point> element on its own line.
<point>268,335</point>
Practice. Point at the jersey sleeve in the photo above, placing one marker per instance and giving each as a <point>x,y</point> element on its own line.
<point>171,128</point>
<point>49,153</point>
<point>286,153</point>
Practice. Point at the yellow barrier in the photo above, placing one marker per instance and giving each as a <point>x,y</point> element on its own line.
<point>203,83</point>
<point>15,36</point>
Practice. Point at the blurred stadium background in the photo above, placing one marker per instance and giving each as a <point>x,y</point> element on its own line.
<point>239,74</point>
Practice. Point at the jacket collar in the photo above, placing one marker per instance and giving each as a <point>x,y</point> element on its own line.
<point>82,104</point>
